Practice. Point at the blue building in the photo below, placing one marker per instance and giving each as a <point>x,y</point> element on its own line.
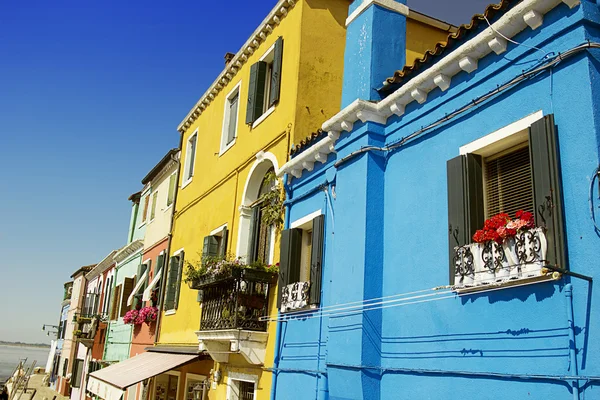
<point>390,288</point>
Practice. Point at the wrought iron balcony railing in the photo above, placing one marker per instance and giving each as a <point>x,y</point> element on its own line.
<point>235,300</point>
<point>521,257</point>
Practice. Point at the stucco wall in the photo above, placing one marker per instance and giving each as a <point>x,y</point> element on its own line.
<point>158,228</point>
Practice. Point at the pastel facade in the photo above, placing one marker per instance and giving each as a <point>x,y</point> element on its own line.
<point>405,311</point>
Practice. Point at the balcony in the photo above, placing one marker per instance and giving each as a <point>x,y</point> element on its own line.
<point>518,258</point>
<point>232,306</point>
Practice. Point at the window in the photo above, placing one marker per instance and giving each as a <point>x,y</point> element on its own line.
<point>241,386</point>
<point>172,188</point>
<point>153,209</point>
<point>77,374</point>
<point>136,297</point>
<point>174,281</point>
<point>190,158</point>
<point>518,172</point>
<point>261,234</point>
<point>145,210</point>
<point>65,367</point>
<point>300,268</point>
<point>230,119</point>
<point>107,294</point>
<point>265,83</point>
<point>215,245</point>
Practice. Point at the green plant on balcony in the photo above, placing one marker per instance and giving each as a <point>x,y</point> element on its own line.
<point>211,269</point>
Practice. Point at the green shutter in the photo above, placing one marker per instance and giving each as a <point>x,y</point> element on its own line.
<point>276,72</point>
<point>172,186</point>
<point>289,263</point>
<point>254,234</point>
<point>223,247</point>
<point>316,259</point>
<point>547,191</point>
<point>128,285</point>
<point>465,202</point>
<point>179,275</point>
<point>171,283</point>
<point>160,261</point>
<point>256,91</point>
<point>210,247</point>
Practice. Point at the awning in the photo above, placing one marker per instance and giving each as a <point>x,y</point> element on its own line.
<point>137,287</point>
<point>148,291</point>
<point>109,383</point>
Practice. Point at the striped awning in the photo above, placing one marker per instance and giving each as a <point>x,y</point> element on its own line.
<point>110,383</point>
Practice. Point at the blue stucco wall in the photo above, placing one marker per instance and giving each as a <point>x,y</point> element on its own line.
<point>387,234</point>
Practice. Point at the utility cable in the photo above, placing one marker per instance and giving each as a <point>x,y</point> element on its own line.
<point>513,41</point>
<point>591,198</point>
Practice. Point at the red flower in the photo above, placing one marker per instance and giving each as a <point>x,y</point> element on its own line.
<point>479,236</point>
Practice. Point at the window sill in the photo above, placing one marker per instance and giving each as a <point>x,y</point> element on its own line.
<point>224,149</point>
<point>184,184</point>
<point>141,225</point>
<point>507,285</point>
<point>263,117</point>
<point>170,312</point>
<point>168,207</point>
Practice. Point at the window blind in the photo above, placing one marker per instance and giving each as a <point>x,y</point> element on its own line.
<point>508,183</point>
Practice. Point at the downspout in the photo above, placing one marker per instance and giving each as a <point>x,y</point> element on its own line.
<point>277,354</point>
<point>572,346</point>
<point>163,278</point>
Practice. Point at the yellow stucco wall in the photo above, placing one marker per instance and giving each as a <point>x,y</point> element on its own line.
<point>311,79</point>
<point>421,37</point>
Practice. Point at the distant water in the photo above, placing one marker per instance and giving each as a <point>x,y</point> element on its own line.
<point>10,356</point>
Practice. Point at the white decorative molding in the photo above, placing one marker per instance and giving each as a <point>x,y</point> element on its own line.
<point>279,11</point>
<point>463,58</point>
<point>220,344</point>
<point>419,95</point>
<point>387,4</point>
<point>130,249</point>
<point>534,19</point>
<point>498,45</point>
<point>442,81</point>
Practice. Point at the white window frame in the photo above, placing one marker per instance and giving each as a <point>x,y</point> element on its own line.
<point>175,254</point>
<point>143,196</point>
<point>270,53</point>
<point>172,373</point>
<point>168,206</point>
<point>152,203</point>
<point>237,376</point>
<point>189,163</point>
<point>226,119</point>
<point>194,377</point>
<point>305,223</point>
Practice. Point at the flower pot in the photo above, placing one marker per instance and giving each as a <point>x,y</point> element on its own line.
<point>531,247</point>
<point>510,251</point>
<point>484,262</point>
<point>463,266</point>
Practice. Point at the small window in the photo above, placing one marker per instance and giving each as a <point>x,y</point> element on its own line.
<point>116,301</point>
<point>230,119</point>
<point>300,269</point>
<point>128,285</point>
<point>215,245</point>
<point>153,208</point>
<point>265,84</point>
<point>65,367</point>
<point>77,374</point>
<point>190,157</point>
<point>242,390</point>
<point>172,188</point>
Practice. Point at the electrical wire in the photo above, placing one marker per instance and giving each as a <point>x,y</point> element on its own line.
<point>348,311</point>
<point>591,198</point>
<point>513,41</point>
<point>534,71</point>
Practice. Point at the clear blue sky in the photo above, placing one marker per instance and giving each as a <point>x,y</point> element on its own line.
<point>91,93</point>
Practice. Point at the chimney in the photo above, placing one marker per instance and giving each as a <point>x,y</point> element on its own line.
<point>228,57</point>
<point>375,46</point>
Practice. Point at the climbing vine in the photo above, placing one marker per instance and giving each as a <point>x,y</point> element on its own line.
<point>272,213</point>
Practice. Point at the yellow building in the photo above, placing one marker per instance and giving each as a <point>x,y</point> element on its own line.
<point>284,82</point>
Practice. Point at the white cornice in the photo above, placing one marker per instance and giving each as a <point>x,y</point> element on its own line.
<point>102,266</point>
<point>528,13</point>
<point>266,27</point>
<point>128,250</point>
<point>387,4</point>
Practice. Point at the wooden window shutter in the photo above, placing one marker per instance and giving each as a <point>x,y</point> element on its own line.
<point>254,232</point>
<point>256,91</point>
<point>128,285</point>
<point>171,283</point>
<point>223,246</point>
<point>276,72</point>
<point>289,263</point>
<point>116,300</point>
<point>172,187</point>
<point>211,247</point>
<point>547,192</point>
<point>465,202</point>
<point>179,276</point>
<point>316,259</point>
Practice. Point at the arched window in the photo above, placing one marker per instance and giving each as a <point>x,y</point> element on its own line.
<point>260,233</point>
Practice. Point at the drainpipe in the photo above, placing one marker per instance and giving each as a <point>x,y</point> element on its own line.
<point>288,193</point>
<point>163,278</point>
<point>572,346</point>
